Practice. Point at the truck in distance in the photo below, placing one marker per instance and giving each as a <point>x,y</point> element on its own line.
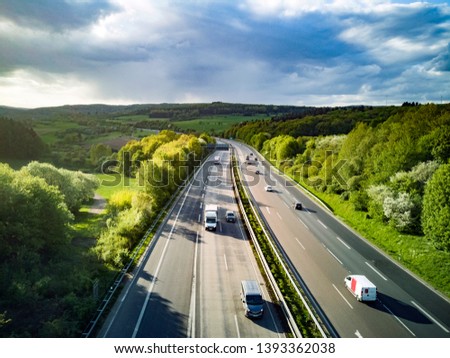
<point>361,287</point>
<point>217,159</point>
<point>211,217</point>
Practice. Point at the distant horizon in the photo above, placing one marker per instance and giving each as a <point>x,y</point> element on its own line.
<point>243,103</point>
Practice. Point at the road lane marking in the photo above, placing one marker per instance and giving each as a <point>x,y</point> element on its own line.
<point>305,209</point>
<point>237,327</point>
<point>226,264</point>
<point>398,319</point>
<point>321,223</point>
<point>279,215</point>
<point>300,243</point>
<point>191,321</point>
<point>334,256</point>
<point>268,210</point>
<point>430,317</point>
<point>376,271</point>
<point>359,335</point>
<point>303,223</point>
<point>343,243</point>
<point>342,296</point>
<point>199,217</point>
<point>201,205</point>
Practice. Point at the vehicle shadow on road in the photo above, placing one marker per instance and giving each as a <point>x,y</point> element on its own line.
<point>399,308</point>
<point>161,321</point>
<point>272,311</point>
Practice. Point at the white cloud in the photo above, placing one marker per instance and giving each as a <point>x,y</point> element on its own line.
<point>293,8</point>
<point>23,88</point>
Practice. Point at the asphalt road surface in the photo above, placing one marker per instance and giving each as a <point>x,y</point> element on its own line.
<point>188,283</point>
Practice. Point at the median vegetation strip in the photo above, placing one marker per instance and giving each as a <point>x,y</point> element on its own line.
<point>304,321</point>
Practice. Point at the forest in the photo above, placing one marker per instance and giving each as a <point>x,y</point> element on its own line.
<point>377,168</point>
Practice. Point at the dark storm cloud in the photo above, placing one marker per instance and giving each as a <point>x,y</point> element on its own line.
<point>57,15</point>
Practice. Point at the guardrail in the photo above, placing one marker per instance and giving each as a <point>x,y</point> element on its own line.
<point>289,317</point>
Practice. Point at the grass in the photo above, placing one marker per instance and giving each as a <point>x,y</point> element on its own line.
<point>87,227</point>
<point>135,118</point>
<point>50,131</point>
<point>214,123</point>
<point>111,183</point>
<point>104,138</point>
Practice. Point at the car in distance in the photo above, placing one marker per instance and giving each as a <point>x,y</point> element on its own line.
<point>268,188</point>
<point>230,217</point>
<point>257,172</point>
<point>298,205</point>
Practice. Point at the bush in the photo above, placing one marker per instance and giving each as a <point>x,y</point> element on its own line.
<point>436,209</point>
<point>402,212</point>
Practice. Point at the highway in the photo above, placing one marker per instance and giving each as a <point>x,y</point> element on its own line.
<point>323,251</point>
<point>188,282</point>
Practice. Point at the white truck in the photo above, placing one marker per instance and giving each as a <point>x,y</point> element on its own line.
<point>217,159</point>
<point>361,287</point>
<point>211,217</point>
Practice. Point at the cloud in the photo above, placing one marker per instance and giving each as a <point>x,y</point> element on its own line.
<point>55,15</point>
<point>280,51</point>
<point>399,33</point>
<point>30,88</point>
<point>295,8</point>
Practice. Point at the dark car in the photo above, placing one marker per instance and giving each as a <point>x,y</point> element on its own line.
<point>298,205</point>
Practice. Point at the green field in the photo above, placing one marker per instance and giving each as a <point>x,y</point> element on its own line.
<point>50,132</point>
<point>134,118</point>
<point>111,183</point>
<point>216,124</point>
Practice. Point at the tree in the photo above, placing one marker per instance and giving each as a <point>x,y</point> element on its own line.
<point>33,214</point>
<point>76,187</point>
<point>99,152</point>
<point>19,141</point>
<point>436,208</point>
<point>402,211</point>
<point>258,140</point>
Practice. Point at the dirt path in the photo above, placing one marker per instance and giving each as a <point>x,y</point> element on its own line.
<point>99,204</point>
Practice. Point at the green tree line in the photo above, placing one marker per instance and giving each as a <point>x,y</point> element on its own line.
<point>160,163</point>
<point>19,141</point>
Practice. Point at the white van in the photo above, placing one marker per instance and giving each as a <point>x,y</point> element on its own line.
<point>361,287</point>
<point>252,300</point>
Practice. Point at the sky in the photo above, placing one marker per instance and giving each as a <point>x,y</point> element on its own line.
<point>282,52</point>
